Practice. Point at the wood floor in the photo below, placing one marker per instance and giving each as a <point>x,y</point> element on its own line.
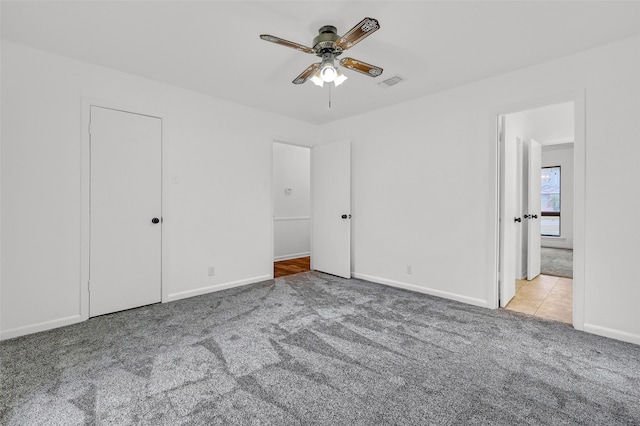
<point>545,296</point>
<point>292,266</point>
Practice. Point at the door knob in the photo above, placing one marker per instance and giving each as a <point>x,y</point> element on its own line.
<point>155,220</point>
<point>346,216</point>
<point>534,216</point>
<point>527,216</point>
<point>517,219</point>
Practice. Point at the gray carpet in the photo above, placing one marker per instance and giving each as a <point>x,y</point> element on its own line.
<point>316,349</point>
<point>556,261</point>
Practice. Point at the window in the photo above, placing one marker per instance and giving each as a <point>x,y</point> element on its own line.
<point>550,209</point>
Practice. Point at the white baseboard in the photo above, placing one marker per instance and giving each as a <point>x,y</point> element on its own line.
<point>425,290</point>
<point>291,256</point>
<point>210,289</point>
<point>612,333</point>
<point>41,326</point>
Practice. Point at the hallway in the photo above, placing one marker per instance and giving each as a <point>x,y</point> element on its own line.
<point>291,266</point>
<point>545,296</point>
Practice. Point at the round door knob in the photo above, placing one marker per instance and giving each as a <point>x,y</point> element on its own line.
<point>155,220</point>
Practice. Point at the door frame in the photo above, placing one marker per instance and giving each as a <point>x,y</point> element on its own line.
<point>85,192</point>
<point>535,223</point>
<point>271,200</point>
<point>578,97</point>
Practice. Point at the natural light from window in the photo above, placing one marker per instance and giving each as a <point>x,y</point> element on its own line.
<point>550,186</point>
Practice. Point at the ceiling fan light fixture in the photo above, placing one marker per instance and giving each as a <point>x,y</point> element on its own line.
<point>341,78</point>
<point>315,79</point>
<point>328,45</point>
<point>328,73</point>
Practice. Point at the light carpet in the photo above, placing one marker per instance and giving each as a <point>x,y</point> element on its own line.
<point>556,262</point>
<point>316,349</point>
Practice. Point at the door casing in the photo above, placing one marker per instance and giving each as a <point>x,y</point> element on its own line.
<point>312,201</point>
<point>85,192</point>
<point>533,210</point>
<point>578,97</point>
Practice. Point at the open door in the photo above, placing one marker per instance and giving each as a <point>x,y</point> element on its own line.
<point>508,222</point>
<point>331,208</point>
<point>534,216</point>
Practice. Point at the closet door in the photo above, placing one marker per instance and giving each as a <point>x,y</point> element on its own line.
<point>125,210</point>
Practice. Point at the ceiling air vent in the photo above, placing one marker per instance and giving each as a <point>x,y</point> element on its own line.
<point>392,81</point>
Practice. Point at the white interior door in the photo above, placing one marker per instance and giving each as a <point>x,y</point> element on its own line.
<point>534,206</point>
<point>125,243</point>
<point>508,226</point>
<point>331,208</point>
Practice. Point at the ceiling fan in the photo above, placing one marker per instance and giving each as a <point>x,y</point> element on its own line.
<point>328,45</point>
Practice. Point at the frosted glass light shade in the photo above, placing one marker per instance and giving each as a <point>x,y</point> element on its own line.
<point>328,73</point>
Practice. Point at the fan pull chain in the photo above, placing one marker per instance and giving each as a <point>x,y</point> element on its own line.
<point>329,95</point>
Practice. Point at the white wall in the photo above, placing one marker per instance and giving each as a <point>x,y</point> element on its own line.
<point>219,214</point>
<point>291,201</point>
<point>424,185</point>
<point>562,155</point>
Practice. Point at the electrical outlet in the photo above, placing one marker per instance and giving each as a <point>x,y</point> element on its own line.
<point>212,271</point>
<point>409,270</point>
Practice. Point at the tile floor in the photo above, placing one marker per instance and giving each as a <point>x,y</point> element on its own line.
<point>545,296</point>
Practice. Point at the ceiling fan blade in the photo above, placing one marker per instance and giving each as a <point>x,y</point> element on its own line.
<point>304,76</point>
<point>366,27</point>
<point>287,43</point>
<point>363,67</point>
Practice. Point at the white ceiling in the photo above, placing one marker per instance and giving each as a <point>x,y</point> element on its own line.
<point>213,47</point>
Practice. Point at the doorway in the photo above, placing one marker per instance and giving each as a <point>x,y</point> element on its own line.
<point>313,183</point>
<point>536,211</point>
<point>291,209</point>
<point>125,210</point>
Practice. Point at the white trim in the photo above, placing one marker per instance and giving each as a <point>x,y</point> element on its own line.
<point>272,208</point>
<point>579,208</point>
<point>612,333</point>
<point>301,144</point>
<point>41,326</point>
<point>420,289</point>
<point>210,289</point>
<point>284,218</point>
<point>291,256</point>
<point>557,141</point>
<point>493,293</point>
<point>272,202</point>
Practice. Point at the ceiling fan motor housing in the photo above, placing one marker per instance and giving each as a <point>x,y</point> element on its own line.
<point>325,41</point>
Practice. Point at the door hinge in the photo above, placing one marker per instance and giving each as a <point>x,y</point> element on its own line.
<point>89,286</point>
<point>89,128</point>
